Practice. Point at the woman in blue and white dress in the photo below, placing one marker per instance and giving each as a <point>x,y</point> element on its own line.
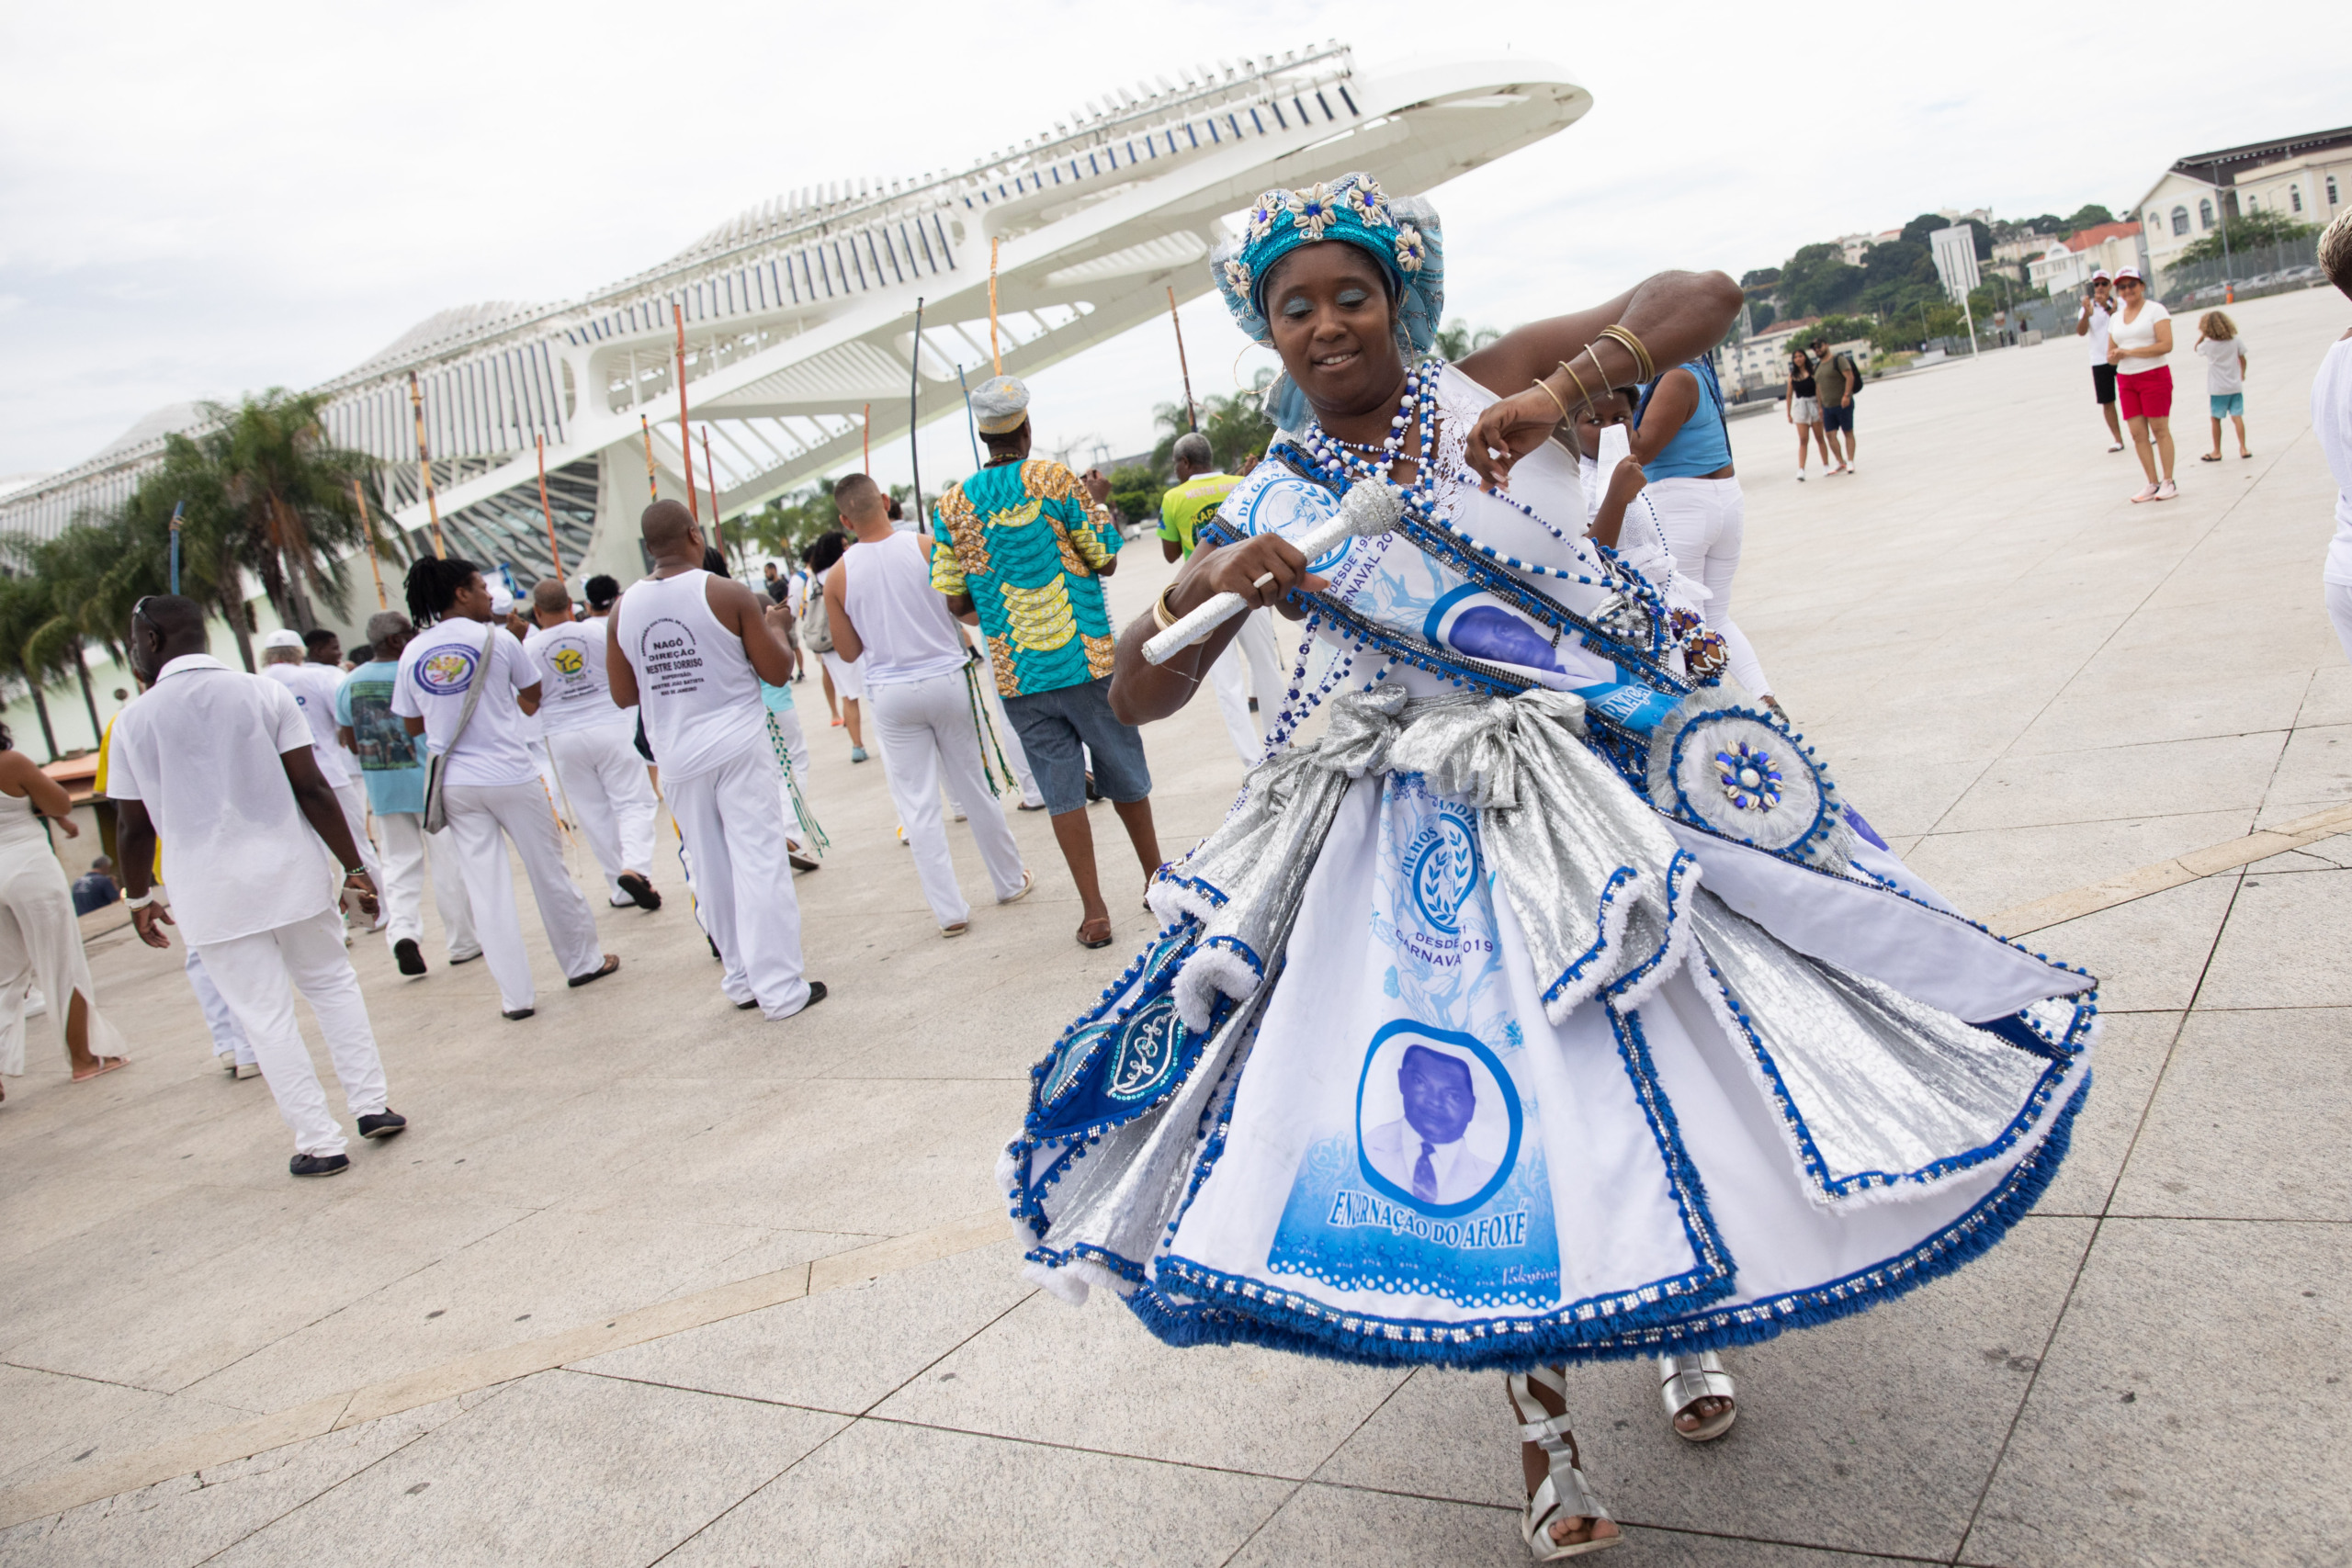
<point>1548,1006</point>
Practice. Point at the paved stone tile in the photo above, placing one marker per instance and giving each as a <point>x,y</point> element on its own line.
<point>2147,954</point>
<point>2316,766</point>
<point>1093,1377</point>
<point>523,1282</point>
<point>841,1350</point>
<point>2088,715</point>
<point>50,1422</point>
<point>255,1289</point>
<point>2284,944</point>
<point>1986,871</point>
<point>189,1519</point>
<point>559,1468</point>
<point>2173,1418</point>
<point>2251,1120</point>
<point>2175,777</point>
<point>886,1495</point>
<point>1363,1530</point>
<point>1833,1447</point>
<point>2130,1052</point>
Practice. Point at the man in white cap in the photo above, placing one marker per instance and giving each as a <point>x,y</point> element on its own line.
<point>1021,548</point>
<point>285,658</point>
<point>2098,306</point>
<point>600,779</point>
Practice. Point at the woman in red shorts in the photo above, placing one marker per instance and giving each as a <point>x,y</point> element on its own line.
<point>2139,340</point>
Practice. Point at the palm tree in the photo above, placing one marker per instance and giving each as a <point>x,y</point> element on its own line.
<point>290,489</point>
<point>24,605</point>
<point>214,545</point>
<point>71,572</point>
<point>1456,341</point>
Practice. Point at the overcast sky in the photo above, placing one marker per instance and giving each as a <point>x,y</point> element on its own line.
<point>202,200</point>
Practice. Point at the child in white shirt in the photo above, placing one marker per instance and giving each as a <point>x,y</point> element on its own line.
<point>2225,354</point>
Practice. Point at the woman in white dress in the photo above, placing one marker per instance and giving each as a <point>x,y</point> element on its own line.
<point>40,939</point>
<point>1548,1006</point>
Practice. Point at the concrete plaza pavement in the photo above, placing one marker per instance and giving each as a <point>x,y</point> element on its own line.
<point>653,1280</point>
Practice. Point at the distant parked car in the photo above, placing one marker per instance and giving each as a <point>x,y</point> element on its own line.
<point>2306,273</point>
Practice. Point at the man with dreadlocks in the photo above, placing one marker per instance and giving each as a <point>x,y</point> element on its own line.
<point>467,688</point>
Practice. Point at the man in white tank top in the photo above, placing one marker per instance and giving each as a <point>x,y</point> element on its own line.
<point>688,649</point>
<point>600,781</point>
<point>894,628</point>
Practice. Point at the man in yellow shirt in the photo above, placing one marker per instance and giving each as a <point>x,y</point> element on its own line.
<point>1200,490</point>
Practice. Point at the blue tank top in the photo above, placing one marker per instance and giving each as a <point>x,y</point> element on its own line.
<point>1703,445</point>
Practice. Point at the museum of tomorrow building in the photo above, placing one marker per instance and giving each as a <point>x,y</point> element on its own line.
<point>799,316</point>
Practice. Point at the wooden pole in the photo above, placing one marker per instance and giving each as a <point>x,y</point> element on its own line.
<point>555,551</point>
<point>678,314</point>
<point>653,491</point>
<point>710,477</point>
<point>375,567</point>
<point>1192,416</point>
<point>995,354</point>
<point>424,466</point>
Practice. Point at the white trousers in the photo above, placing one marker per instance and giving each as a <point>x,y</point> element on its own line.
<point>732,826</point>
<point>407,848</point>
<point>602,786</point>
<point>925,728</point>
<point>479,814</point>
<point>1705,522</point>
<point>353,798</point>
<point>1014,757</point>
<point>252,973</point>
<point>228,1040</point>
<point>2339,610</point>
<point>796,747</point>
<point>1253,646</point>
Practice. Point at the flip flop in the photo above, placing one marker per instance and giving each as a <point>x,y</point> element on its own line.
<point>106,1066</point>
<point>1028,886</point>
<point>1092,945</point>
<point>2210,458</point>
<point>612,962</point>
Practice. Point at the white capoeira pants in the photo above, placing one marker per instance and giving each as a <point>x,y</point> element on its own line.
<point>795,746</point>
<point>1705,522</point>
<point>353,798</point>
<point>2339,610</point>
<point>478,815</point>
<point>1253,646</point>
<point>227,1039</point>
<point>253,971</point>
<point>407,848</point>
<point>1014,757</point>
<point>601,784</point>
<point>925,728</point>
<point>732,826</point>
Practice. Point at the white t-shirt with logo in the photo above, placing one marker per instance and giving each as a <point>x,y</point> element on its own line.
<point>314,687</point>
<point>574,693</point>
<point>2100,317</point>
<point>2140,332</point>
<point>436,672</point>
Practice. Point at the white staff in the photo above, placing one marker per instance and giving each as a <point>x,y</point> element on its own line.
<point>1369,508</point>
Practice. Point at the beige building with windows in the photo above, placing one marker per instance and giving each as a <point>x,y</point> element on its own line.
<point>2307,178</point>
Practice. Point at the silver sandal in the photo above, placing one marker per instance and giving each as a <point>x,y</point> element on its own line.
<point>1565,1493</point>
<point>1683,1380</point>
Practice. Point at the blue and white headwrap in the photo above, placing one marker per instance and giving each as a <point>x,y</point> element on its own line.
<point>1400,233</point>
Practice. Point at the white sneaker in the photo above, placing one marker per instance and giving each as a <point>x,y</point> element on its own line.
<point>1799,476</point>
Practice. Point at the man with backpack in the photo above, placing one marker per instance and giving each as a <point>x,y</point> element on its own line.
<point>1836,378</point>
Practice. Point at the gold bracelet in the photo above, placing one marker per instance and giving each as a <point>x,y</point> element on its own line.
<point>1607,386</point>
<point>1160,613</point>
<point>1642,363</point>
<point>1582,391</point>
<point>1555,398</point>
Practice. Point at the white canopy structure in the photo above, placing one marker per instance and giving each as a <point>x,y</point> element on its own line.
<point>799,314</point>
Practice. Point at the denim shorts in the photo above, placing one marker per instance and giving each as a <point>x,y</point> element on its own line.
<point>1834,418</point>
<point>1054,725</point>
